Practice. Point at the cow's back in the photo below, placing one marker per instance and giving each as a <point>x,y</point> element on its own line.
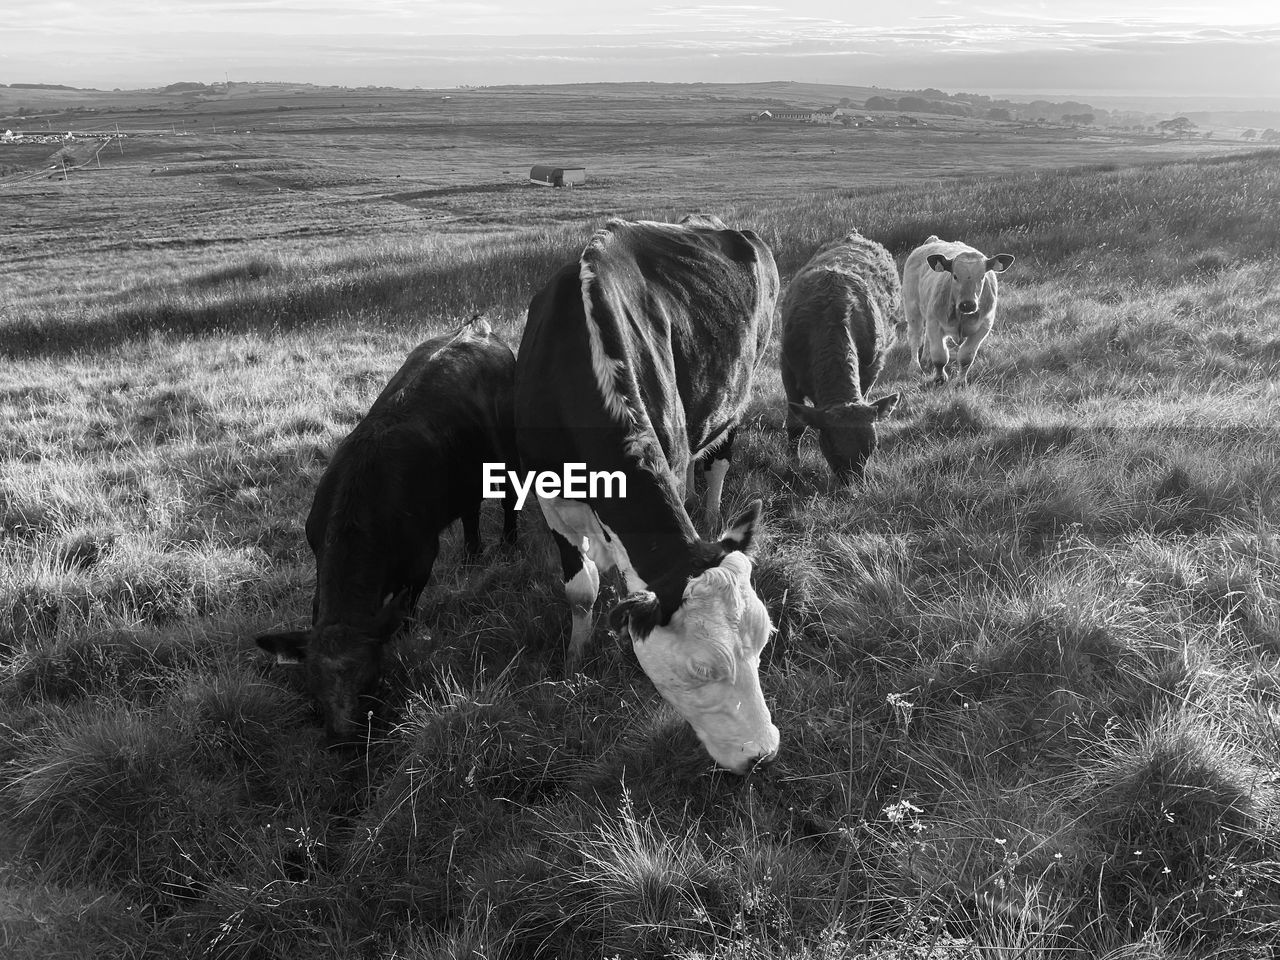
<point>847,295</point>
<point>696,303</point>
<point>657,330</point>
<point>448,389</point>
<point>413,462</point>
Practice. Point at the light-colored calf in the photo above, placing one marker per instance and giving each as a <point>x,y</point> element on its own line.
<point>949,289</point>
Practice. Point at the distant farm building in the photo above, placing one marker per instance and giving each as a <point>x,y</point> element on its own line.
<point>549,176</point>
<point>785,113</point>
<point>825,115</point>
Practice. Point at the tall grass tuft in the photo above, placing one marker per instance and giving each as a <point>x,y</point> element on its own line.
<point>92,794</point>
<point>1182,830</point>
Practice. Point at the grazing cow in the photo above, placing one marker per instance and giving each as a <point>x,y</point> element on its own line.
<point>410,468</point>
<point>837,321</point>
<point>637,359</point>
<point>949,289</point>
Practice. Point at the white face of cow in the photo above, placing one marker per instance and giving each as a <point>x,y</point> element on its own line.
<point>968,274</point>
<point>706,663</point>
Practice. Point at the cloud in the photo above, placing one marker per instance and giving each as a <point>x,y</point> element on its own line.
<point>992,43</point>
<point>704,9</point>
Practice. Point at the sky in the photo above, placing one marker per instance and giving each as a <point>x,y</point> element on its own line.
<point>1101,47</point>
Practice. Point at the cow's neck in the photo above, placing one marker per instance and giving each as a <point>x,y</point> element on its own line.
<point>351,580</point>
<point>344,600</point>
<point>662,547</point>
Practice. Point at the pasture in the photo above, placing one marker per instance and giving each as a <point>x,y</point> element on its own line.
<point>1027,675</point>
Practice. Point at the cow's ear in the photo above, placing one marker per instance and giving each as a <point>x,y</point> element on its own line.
<point>1000,262</point>
<point>638,612</point>
<point>289,647</point>
<point>740,532</point>
<point>884,406</point>
<point>810,415</point>
<point>938,262</point>
<point>394,609</point>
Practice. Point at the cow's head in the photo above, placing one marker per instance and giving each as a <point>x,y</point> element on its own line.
<point>846,432</point>
<point>340,664</point>
<point>705,661</point>
<point>968,271</point>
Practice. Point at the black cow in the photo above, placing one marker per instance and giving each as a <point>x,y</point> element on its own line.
<point>838,317</point>
<point>410,468</point>
<point>638,359</point>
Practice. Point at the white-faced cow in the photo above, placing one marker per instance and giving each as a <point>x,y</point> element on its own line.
<point>837,322</point>
<point>949,289</point>
<point>639,358</point>
<point>410,468</point>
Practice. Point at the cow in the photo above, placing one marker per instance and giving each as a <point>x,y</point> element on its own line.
<point>639,358</point>
<point>407,470</point>
<point>949,289</point>
<point>838,317</point>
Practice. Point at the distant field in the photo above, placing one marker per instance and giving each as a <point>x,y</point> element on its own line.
<point>1027,676</point>
<point>319,177</point>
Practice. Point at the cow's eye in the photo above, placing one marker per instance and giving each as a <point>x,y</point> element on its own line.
<point>704,671</point>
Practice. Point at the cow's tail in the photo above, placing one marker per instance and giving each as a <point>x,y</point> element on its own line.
<point>479,326</point>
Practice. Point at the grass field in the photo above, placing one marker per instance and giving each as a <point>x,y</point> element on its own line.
<point>1027,676</point>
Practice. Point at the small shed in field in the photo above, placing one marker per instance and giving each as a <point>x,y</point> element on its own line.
<point>550,176</point>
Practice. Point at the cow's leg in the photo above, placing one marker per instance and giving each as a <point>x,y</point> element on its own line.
<point>914,320</point>
<point>968,351</point>
<point>422,573</point>
<point>507,453</point>
<point>509,515</point>
<point>471,531</point>
<point>717,467</point>
<point>581,584</point>
<point>938,355</point>
<point>795,426</point>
